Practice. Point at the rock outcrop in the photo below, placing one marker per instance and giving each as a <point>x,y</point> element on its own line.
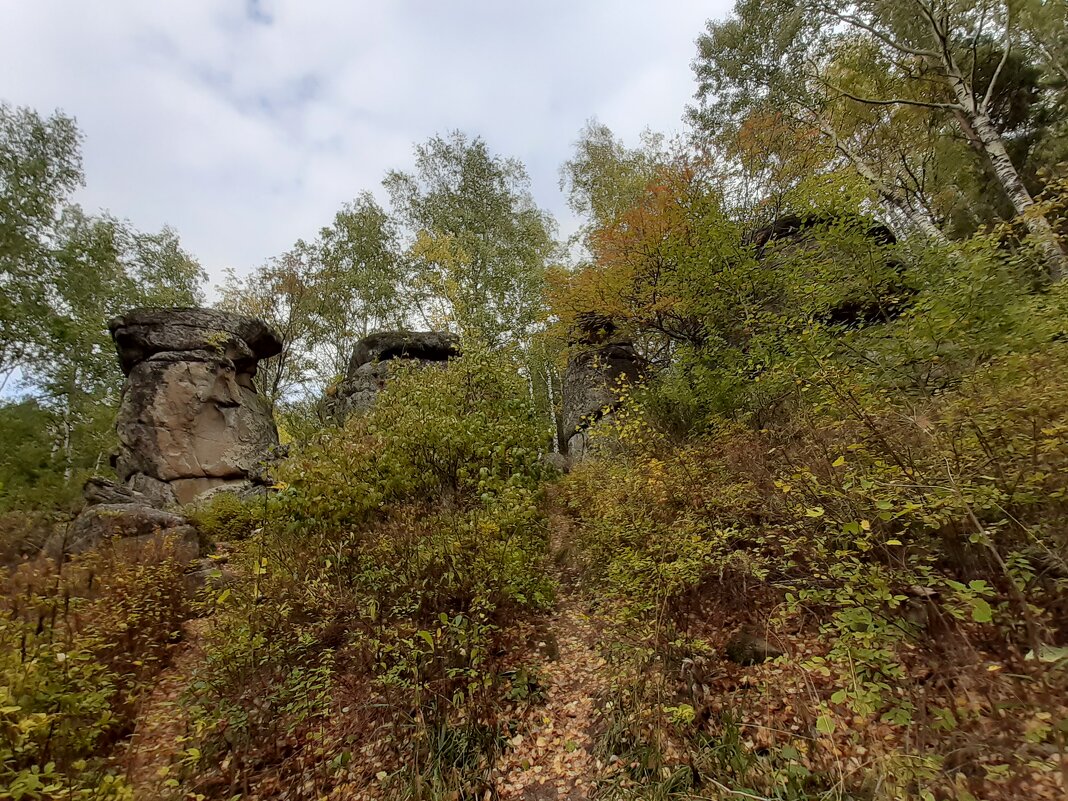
<point>372,359</point>
<point>601,364</point>
<point>135,524</point>
<point>859,305</point>
<point>190,418</point>
<point>747,647</point>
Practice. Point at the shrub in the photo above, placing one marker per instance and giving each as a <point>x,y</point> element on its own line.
<point>401,544</point>
<point>227,517</point>
<point>77,644</point>
<point>885,536</point>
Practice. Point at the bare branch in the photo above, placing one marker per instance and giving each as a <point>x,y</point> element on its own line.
<point>894,101</point>
<point>1001,65</point>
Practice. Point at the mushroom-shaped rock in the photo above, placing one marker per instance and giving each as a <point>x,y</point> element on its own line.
<point>190,418</point>
<point>370,364</point>
<point>144,333</point>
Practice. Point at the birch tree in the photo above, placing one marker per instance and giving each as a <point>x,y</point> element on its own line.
<point>922,54</point>
<point>936,42</point>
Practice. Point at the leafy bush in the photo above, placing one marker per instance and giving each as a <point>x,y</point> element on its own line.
<point>77,645</point>
<point>876,531</point>
<point>227,517</point>
<point>402,544</point>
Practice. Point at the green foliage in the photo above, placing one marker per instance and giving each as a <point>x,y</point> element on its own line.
<point>31,475</point>
<point>796,88</point>
<point>895,523</point>
<point>478,243</point>
<point>77,646</point>
<point>226,517</point>
<point>65,275</point>
<point>403,543</point>
<point>322,297</point>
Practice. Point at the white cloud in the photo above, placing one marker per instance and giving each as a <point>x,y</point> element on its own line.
<point>246,125</point>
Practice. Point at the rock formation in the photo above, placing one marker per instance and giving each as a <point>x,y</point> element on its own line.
<point>371,360</point>
<point>747,647</point>
<point>600,365</point>
<point>190,418</point>
<point>137,525</point>
<point>792,234</point>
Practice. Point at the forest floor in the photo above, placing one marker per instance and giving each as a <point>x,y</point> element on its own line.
<point>161,722</point>
<point>552,755</point>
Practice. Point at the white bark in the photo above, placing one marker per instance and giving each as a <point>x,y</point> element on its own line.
<point>1011,183</point>
<point>893,196</point>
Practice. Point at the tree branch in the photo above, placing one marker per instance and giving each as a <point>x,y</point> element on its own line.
<point>1001,65</point>
<point>894,101</point>
<point>857,22</point>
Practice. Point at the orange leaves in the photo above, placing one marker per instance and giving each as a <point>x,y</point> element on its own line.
<point>640,258</point>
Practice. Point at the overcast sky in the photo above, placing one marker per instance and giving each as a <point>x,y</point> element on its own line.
<point>245,125</point>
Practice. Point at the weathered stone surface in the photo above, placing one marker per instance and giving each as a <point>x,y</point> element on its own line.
<point>372,358</point>
<point>190,418</point>
<point>593,381</point>
<point>427,346</point>
<point>142,333</point>
<point>101,490</point>
<point>156,493</point>
<point>792,234</point>
<point>140,524</point>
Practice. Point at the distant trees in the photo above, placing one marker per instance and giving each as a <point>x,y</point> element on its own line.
<point>477,244</point>
<point>323,296</point>
<point>463,248</point>
<point>63,274</point>
<point>604,178</point>
<point>883,84</point>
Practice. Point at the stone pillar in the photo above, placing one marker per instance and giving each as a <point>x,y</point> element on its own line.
<point>371,359</point>
<point>190,418</point>
<point>594,378</point>
<point>600,364</point>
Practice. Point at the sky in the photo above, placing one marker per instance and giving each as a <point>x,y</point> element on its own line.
<point>246,124</point>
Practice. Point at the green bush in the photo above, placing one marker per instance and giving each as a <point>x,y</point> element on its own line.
<point>403,543</point>
<point>225,517</point>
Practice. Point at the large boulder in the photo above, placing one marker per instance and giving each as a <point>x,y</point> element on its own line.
<point>882,294</point>
<point>136,525</point>
<point>372,359</point>
<point>190,418</point>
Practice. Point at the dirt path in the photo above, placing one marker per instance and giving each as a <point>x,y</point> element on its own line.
<point>552,757</point>
<point>161,721</point>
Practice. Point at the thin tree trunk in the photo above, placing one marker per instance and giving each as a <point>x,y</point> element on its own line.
<point>920,220</point>
<point>554,415</point>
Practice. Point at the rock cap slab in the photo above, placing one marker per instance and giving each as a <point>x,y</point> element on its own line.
<point>141,334</point>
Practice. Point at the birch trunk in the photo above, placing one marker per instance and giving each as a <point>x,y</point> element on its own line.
<point>1005,172</point>
<point>920,220</point>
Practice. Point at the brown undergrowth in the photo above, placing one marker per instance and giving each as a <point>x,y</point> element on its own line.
<point>80,643</point>
<point>907,556</point>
